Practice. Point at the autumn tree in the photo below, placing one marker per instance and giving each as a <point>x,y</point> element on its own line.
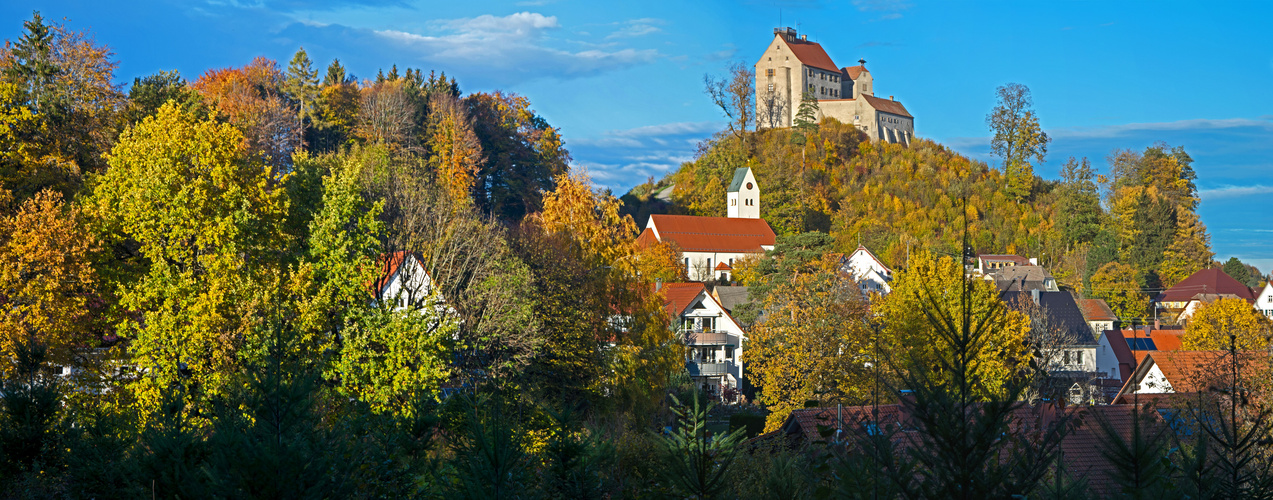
<point>524,154</point>
<point>65,81</point>
<point>252,99</point>
<point>203,213</point>
<point>582,252</point>
<point>1188,253</point>
<point>1211,325</point>
<point>47,280</point>
<point>386,115</point>
<point>917,293</point>
<point>813,344</point>
<point>1018,138</point>
<point>457,154</point>
<point>734,94</point>
<point>1119,285</point>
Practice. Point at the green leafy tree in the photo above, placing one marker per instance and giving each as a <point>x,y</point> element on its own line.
<point>151,92</point>
<point>204,217</point>
<point>1018,138</point>
<point>1120,286</point>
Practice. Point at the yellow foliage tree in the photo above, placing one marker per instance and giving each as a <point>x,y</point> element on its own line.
<point>205,216</point>
<point>813,344</point>
<point>45,277</point>
<point>1211,325</point>
<point>457,154</point>
<point>1119,285</point>
<point>935,282</point>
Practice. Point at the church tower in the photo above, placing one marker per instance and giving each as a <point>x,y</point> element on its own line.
<point>744,195</point>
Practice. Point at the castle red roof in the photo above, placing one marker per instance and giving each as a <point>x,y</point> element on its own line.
<point>854,71</point>
<point>1211,280</point>
<point>713,234</point>
<point>811,54</point>
<point>887,105</point>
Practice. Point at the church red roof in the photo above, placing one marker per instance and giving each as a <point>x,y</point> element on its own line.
<point>713,234</point>
<point>1212,280</point>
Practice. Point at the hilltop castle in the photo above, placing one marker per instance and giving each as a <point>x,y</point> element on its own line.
<point>792,66</point>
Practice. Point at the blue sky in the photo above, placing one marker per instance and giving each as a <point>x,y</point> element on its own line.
<point>624,79</point>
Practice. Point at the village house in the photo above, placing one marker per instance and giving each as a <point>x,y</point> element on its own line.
<point>710,246</point>
<point>1169,377</point>
<point>792,67</point>
<point>1118,353</point>
<point>1068,347</point>
<point>715,340</point>
<point>989,263</point>
<point>1098,315</point>
<point>871,275</point>
<point>403,281</point>
<point>1264,302</point>
<point>1172,304</point>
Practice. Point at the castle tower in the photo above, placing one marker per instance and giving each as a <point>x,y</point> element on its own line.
<point>744,195</point>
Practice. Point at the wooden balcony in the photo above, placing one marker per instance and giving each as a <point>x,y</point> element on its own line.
<point>709,337</point>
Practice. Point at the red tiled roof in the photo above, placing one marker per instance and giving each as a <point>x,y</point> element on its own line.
<point>854,71</point>
<point>389,265</point>
<point>811,54</point>
<point>1211,280</point>
<point>1081,448</point>
<point>713,234</point>
<point>1097,310</point>
<point>723,267</point>
<point>678,296</point>
<point>887,106</point>
<point>646,239</point>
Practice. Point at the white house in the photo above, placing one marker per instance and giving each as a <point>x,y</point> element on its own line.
<point>1098,315</point>
<point>403,281</point>
<point>871,275</point>
<point>714,339</point>
<point>1264,302</point>
<point>707,242</point>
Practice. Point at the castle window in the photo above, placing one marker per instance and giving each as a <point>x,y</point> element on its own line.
<point>769,72</point>
<point>771,87</point>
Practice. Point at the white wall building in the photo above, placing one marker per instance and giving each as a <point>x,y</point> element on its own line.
<point>871,275</point>
<point>715,341</point>
<point>1264,301</point>
<point>707,242</point>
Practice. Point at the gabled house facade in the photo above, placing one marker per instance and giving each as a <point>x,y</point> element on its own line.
<point>714,340</point>
<point>403,281</point>
<point>1098,315</point>
<point>1171,304</point>
<point>871,275</point>
<point>1264,301</point>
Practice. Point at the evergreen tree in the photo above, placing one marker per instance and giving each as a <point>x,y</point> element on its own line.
<point>1079,206</point>
<point>1238,271</point>
<point>301,84</point>
<point>807,114</point>
<point>34,66</point>
<point>336,74</point>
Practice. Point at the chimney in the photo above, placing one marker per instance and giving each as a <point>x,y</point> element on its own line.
<point>804,38</point>
<point>890,98</point>
<point>658,284</point>
<point>1034,261</point>
<point>1034,294</point>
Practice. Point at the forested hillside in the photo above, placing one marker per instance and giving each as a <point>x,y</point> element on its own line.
<point>898,199</point>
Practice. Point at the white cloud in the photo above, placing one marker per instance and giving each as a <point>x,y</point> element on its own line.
<point>620,159</point>
<point>1130,128</point>
<point>1233,191</point>
<point>637,27</point>
<point>510,48</point>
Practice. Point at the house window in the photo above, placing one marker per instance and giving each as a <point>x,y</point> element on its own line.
<point>770,71</point>
<point>733,203</point>
<point>729,353</point>
<point>687,264</point>
<point>709,264</point>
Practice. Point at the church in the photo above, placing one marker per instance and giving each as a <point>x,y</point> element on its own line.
<point>793,67</point>
<point>711,245</point>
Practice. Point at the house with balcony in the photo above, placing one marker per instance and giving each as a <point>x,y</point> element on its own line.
<point>714,340</point>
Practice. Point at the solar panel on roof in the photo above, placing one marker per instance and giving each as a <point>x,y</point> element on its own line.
<point>1137,344</point>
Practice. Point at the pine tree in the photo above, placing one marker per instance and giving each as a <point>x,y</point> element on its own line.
<point>302,85</point>
<point>34,64</point>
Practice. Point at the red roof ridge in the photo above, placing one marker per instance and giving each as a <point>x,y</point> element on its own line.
<point>810,53</point>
